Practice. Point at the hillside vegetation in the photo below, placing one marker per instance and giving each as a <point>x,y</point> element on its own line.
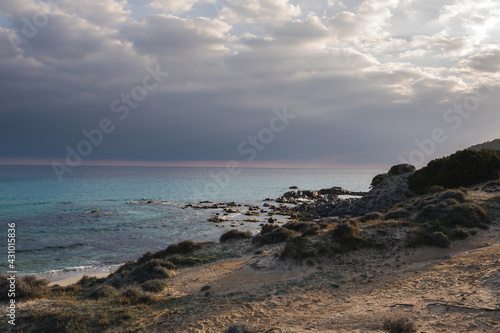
<point>463,168</point>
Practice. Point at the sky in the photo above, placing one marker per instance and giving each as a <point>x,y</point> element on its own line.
<point>261,82</point>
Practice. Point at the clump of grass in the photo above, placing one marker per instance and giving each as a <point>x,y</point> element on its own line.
<point>182,261</point>
<point>305,228</point>
<point>346,236</point>
<point>26,287</point>
<point>371,216</point>
<point>184,247</point>
<point>397,214</point>
<point>278,235</point>
<point>239,328</point>
<point>346,233</point>
<point>438,238</point>
<point>70,289</point>
<point>266,228</point>
<point>134,295</point>
<point>106,291</point>
<point>154,285</point>
<point>400,325</point>
<point>300,248</point>
<point>456,214</point>
<point>150,270</point>
<point>435,189</point>
<point>235,235</point>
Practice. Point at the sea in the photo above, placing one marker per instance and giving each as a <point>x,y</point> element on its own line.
<point>98,217</point>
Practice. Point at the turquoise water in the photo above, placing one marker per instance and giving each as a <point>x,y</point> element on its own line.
<point>56,229</point>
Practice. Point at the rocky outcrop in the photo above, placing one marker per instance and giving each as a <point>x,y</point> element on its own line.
<point>391,190</point>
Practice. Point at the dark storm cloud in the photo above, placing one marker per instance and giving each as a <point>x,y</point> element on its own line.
<point>363,86</point>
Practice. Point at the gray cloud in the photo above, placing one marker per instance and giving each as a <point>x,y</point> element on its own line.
<point>365,81</point>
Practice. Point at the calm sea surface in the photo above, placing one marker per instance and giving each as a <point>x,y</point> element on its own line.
<point>56,230</point>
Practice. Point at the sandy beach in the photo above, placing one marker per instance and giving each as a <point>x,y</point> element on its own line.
<point>72,280</point>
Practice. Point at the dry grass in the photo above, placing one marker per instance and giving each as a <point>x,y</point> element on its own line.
<point>400,325</point>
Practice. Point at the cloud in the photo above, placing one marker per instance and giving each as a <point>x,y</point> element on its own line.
<point>365,81</point>
<point>257,10</point>
<point>488,62</point>
<point>176,6</point>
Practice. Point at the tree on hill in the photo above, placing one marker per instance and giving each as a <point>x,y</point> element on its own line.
<point>463,168</point>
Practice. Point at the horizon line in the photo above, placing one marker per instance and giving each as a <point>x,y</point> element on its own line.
<point>196,164</point>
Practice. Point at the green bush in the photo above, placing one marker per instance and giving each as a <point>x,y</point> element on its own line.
<point>401,169</point>
<point>184,247</point>
<point>151,270</point>
<point>27,287</point>
<point>278,235</point>
<point>266,228</point>
<point>378,179</point>
<point>105,291</point>
<point>235,234</point>
<point>463,168</point>
<point>302,247</point>
<point>154,285</point>
<point>464,214</point>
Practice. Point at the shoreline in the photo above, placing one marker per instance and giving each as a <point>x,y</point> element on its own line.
<point>64,278</point>
<point>74,279</point>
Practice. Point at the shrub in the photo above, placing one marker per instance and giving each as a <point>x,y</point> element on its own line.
<point>397,214</point>
<point>27,287</point>
<point>401,169</point>
<point>278,235</point>
<point>184,247</point>
<point>178,260</point>
<point>134,295</point>
<point>105,291</point>
<point>438,238</point>
<point>400,325</point>
<point>154,285</point>
<point>371,216</point>
<point>305,228</point>
<point>239,328</point>
<point>299,248</point>
<point>235,234</point>
<point>151,270</point>
<point>346,233</point>
<point>346,236</point>
<point>266,228</point>
<point>457,195</point>
<point>459,233</point>
<point>435,189</point>
<point>378,179</point>
<point>467,215</point>
<point>463,168</point>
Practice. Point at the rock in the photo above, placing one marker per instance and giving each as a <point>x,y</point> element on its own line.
<point>217,219</point>
<point>271,220</point>
<point>95,211</point>
<point>293,187</point>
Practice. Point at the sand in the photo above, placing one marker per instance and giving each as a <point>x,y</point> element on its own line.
<point>440,290</point>
<point>72,280</point>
